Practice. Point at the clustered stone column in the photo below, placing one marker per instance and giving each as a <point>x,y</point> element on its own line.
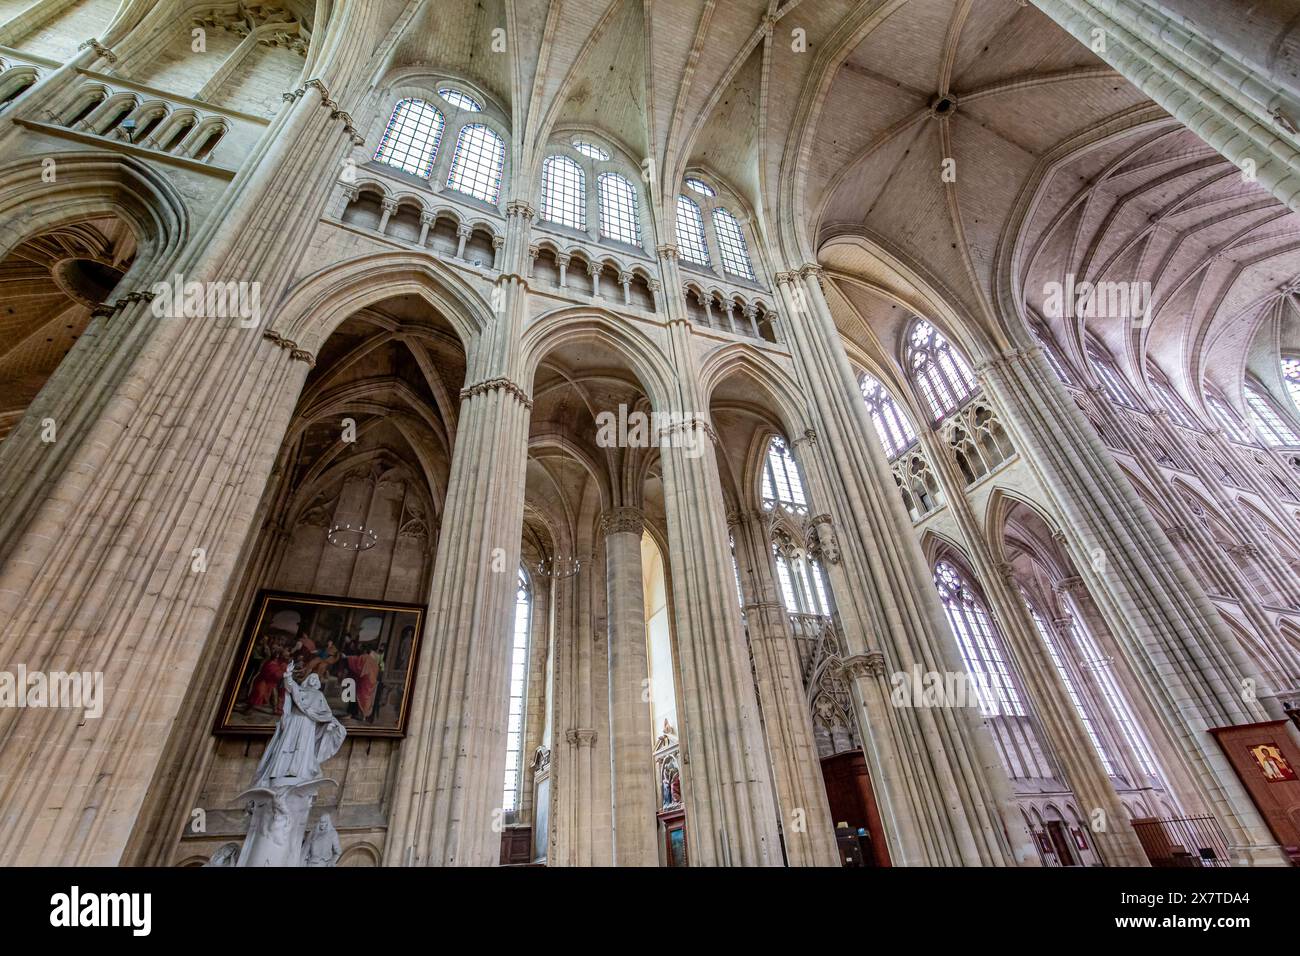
<point>102,546</point>
<point>806,822</point>
<point>891,615</point>
<point>629,701</point>
<point>1189,663</point>
<point>730,808</point>
<point>1247,119</point>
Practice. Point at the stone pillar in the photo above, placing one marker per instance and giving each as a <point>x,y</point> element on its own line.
<point>943,795</point>
<point>1188,662</point>
<point>731,813</point>
<point>625,280</point>
<point>630,734</point>
<point>499,244</point>
<point>427,220</point>
<point>452,762</point>
<point>806,822</point>
<point>562,260</point>
<point>389,207</point>
<point>463,232</point>
<point>1241,115</point>
<point>164,447</point>
<point>594,269</point>
<point>1055,719</point>
<point>1263,35</point>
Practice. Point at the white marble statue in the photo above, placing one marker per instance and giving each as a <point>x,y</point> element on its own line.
<point>308,734</point>
<point>226,855</point>
<point>287,778</point>
<point>321,847</point>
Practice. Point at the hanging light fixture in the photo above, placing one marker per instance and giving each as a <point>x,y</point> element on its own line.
<point>350,538</point>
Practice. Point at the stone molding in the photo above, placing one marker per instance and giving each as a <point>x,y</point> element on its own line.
<point>493,384</point>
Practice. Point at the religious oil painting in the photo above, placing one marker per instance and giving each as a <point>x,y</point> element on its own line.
<point>1272,763</point>
<point>364,653</point>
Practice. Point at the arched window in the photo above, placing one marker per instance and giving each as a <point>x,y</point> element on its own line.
<point>518,684</point>
<point>978,643</point>
<point>591,150</point>
<point>731,244</point>
<point>690,232</point>
<point>1049,641</point>
<point>939,370</point>
<point>1054,358</point>
<point>781,482</point>
<point>1094,660</point>
<point>892,427</point>
<point>803,587</point>
<point>701,187</point>
<point>619,219</point>
<point>1291,375</point>
<point>564,192</point>
<point>461,101</point>
<point>1112,382</point>
<point>1268,423</point>
<point>410,142</point>
<point>1232,426</point>
<point>478,163</point>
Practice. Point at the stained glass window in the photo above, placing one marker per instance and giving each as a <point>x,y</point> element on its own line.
<point>1291,375</point>
<point>979,645</point>
<point>1049,641</point>
<point>1268,423</point>
<point>892,427</point>
<point>1232,426</point>
<point>690,232</point>
<point>781,482</point>
<point>564,192</point>
<point>518,681</point>
<point>460,100</point>
<point>619,219</point>
<point>590,150</point>
<point>731,244</point>
<point>478,163</point>
<point>410,142</point>
<point>701,187</point>
<point>945,380</point>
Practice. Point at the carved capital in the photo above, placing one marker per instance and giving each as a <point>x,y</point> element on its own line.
<point>493,384</point>
<point>581,736</point>
<point>517,207</point>
<point>822,542</point>
<point>870,664</point>
<point>624,520</point>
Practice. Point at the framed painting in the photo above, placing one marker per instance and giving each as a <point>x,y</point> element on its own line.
<point>364,652</point>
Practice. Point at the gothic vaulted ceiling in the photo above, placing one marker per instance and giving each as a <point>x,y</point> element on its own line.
<point>835,122</point>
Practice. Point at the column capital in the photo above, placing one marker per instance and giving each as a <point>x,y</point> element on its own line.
<point>626,519</point>
<point>870,664</point>
<point>581,736</point>
<point>517,207</point>
<point>493,384</point>
<point>666,251</point>
<point>1070,585</point>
